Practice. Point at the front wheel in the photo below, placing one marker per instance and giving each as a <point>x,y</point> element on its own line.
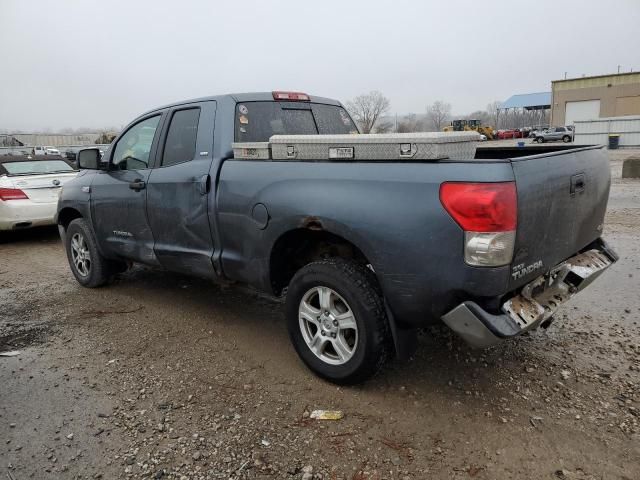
<point>566,139</point>
<point>89,267</point>
<point>337,320</point>
<point>540,140</point>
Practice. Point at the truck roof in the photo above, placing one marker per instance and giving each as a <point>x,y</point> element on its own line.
<point>241,97</point>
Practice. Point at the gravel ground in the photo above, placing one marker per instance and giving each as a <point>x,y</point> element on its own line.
<point>164,376</point>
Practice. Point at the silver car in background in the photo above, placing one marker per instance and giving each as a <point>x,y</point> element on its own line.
<point>553,134</point>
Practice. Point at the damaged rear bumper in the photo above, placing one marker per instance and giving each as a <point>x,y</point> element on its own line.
<point>535,304</point>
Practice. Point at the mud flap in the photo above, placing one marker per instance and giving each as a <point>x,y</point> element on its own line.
<point>405,340</point>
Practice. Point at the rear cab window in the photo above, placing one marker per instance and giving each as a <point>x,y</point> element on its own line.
<point>258,121</point>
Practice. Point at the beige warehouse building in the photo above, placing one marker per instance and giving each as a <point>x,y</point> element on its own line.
<point>589,98</point>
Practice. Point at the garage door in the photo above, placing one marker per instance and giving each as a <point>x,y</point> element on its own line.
<point>585,110</point>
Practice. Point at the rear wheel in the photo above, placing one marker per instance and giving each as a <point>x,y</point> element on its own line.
<point>540,140</point>
<point>89,267</point>
<point>566,139</point>
<point>337,321</point>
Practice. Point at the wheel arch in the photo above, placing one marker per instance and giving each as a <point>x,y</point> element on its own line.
<point>67,215</point>
<point>296,247</point>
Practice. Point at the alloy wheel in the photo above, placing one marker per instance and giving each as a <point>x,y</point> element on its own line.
<point>80,254</point>
<point>328,325</point>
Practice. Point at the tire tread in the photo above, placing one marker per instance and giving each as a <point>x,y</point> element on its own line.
<point>366,287</point>
<point>102,269</point>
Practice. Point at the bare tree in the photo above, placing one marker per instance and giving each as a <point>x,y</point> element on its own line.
<point>367,109</point>
<point>438,113</point>
<point>493,112</point>
<point>383,126</point>
<point>412,123</point>
<point>105,137</point>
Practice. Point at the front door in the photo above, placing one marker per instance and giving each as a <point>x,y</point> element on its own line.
<point>179,188</point>
<point>118,195</point>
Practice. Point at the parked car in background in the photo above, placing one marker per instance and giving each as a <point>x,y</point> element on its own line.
<point>70,154</point>
<point>507,134</point>
<point>554,134</point>
<point>45,151</point>
<point>366,253</point>
<point>15,152</point>
<point>535,129</point>
<point>29,189</point>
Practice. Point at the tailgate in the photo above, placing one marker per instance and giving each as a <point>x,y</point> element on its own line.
<point>562,198</point>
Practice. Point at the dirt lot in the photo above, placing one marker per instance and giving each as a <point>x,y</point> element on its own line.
<point>164,376</point>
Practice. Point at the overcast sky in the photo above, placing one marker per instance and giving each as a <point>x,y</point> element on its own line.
<point>100,63</point>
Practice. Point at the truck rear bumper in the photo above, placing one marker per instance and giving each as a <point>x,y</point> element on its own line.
<point>535,304</point>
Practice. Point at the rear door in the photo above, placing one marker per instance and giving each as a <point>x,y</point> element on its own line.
<point>558,132</point>
<point>119,195</point>
<point>179,188</point>
<point>562,198</point>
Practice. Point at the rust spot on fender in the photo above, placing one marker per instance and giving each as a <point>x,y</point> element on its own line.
<point>312,223</point>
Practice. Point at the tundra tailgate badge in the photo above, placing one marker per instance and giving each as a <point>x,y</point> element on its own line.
<point>521,270</point>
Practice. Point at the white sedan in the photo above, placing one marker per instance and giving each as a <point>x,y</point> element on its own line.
<point>29,190</point>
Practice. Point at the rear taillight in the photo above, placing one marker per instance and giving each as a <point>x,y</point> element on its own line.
<point>12,194</point>
<point>291,96</point>
<point>488,214</point>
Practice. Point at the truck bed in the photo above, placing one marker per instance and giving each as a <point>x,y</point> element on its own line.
<point>391,210</point>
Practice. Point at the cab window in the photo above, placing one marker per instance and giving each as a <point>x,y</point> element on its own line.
<point>257,121</point>
<point>180,145</point>
<point>132,150</point>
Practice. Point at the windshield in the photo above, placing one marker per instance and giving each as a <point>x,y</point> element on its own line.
<point>33,168</point>
<point>257,121</point>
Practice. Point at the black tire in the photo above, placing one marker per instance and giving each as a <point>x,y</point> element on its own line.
<point>100,269</point>
<point>540,139</point>
<point>357,285</point>
<point>566,139</point>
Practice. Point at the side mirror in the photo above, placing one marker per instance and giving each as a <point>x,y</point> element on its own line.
<point>89,159</point>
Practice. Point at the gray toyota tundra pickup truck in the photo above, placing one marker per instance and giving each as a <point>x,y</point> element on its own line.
<point>365,251</point>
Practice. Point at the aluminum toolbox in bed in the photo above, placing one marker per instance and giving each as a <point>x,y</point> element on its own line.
<point>252,150</point>
<point>392,146</point>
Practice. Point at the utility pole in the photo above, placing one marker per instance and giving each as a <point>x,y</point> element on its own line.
<point>619,68</point>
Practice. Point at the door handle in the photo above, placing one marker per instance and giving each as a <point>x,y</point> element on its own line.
<point>137,185</point>
<point>577,183</point>
<point>204,184</point>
